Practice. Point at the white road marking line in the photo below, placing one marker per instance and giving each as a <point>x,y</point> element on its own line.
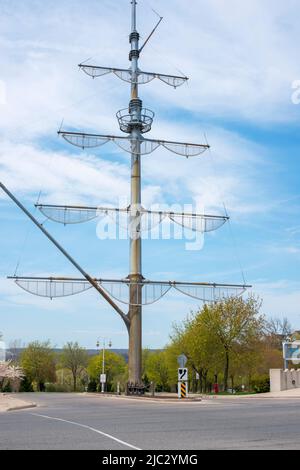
<point>89,428</point>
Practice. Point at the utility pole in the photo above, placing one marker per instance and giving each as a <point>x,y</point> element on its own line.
<point>103,365</point>
<point>103,361</point>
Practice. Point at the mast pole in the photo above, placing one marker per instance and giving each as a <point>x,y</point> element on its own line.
<point>135,290</point>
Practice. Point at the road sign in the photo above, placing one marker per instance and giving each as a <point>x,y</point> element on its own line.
<point>182,374</point>
<point>103,378</point>
<point>291,351</point>
<point>182,360</point>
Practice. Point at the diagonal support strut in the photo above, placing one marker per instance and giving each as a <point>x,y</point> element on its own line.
<point>64,252</point>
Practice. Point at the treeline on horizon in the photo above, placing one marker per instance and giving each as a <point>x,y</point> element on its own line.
<point>229,343</point>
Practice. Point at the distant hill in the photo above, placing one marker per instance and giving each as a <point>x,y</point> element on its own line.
<point>15,353</point>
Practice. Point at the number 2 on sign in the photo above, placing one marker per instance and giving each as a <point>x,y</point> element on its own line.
<point>182,374</point>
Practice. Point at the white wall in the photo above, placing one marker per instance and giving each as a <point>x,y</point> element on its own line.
<point>2,351</point>
<point>284,379</point>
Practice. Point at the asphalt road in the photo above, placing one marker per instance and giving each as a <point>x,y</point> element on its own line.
<point>70,421</point>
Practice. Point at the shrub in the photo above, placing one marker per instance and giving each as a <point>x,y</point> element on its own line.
<point>26,385</point>
<point>7,388</point>
<point>261,385</point>
<point>92,386</point>
<point>58,388</point>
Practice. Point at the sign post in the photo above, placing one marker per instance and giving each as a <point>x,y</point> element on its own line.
<point>103,382</point>
<point>182,377</point>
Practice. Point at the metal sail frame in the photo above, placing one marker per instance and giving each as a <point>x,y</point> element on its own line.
<point>126,75</point>
<point>68,214</point>
<point>153,291</point>
<point>136,121</point>
<point>85,140</point>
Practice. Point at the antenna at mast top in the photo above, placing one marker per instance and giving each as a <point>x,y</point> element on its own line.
<point>133,23</point>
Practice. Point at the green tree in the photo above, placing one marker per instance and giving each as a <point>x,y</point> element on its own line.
<point>220,339</point>
<point>277,330</point>
<point>247,358</point>
<point>145,355</point>
<point>38,363</point>
<point>26,385</point>
<point>198,343</point>
<point>233,321</point>
<point>157,369</point>
<point>75,359</point>
<point>115,368</point>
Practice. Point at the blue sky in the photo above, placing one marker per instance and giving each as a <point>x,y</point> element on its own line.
<point>242,60</point>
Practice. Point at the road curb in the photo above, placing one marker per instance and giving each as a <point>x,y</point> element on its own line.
<point>21,407</point>
<point>13,403</point>
<point>146,399</point>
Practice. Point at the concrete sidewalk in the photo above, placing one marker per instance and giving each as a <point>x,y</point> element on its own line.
<point>294,393</point>
<point>10,402</point>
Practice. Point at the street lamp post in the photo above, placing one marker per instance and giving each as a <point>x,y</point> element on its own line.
<point>103,361</point>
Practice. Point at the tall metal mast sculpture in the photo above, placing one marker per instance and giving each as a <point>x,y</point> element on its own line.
<point>134,290</point>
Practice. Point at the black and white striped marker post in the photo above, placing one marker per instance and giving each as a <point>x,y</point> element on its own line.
<point>182,382</point>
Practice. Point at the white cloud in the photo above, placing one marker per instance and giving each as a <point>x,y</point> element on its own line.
<point>280,299</point>
<point>40,54</point>
<point>242,58</point>
<point>230,173</point>
<point>65,177</point>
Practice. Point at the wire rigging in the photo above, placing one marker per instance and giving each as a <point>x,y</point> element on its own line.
<point>136,123</point>
<point>233,238</point>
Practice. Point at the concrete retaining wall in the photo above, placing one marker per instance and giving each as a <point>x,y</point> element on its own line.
<point>284,379</point>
